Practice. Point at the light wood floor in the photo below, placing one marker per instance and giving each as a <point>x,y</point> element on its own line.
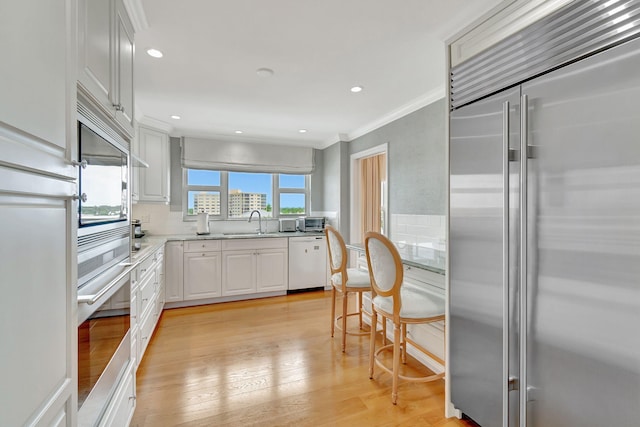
<point>271,362</point>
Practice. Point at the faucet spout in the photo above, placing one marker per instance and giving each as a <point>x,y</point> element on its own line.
<point>259,220</point>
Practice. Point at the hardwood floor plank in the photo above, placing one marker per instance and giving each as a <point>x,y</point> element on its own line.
<point>271,362</point>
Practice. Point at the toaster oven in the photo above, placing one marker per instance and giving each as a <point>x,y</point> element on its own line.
<point>310,223</point>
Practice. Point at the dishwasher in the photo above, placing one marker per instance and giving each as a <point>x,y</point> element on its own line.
<point>308,268</point>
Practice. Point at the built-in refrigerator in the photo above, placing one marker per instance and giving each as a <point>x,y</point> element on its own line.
<point>544,229</point>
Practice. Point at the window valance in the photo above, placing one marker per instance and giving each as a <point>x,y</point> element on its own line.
<point>246,157</point>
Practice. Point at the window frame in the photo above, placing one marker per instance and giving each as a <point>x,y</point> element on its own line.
<point>223,189</point>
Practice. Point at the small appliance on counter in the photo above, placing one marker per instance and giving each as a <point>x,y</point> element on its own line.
<point>310,223</point>
<point>136,229</point>
<point>287,224</point>
<point>202,227</point>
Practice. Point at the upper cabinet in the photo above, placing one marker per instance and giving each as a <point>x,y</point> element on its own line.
<point>105,58</point>
<point>151,184</point>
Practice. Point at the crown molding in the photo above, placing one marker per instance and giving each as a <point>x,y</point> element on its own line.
<point>136,14</point>
<point>409,108</point>
<point>147,121</point>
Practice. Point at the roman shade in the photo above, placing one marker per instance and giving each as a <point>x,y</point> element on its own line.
<point>246,157</point>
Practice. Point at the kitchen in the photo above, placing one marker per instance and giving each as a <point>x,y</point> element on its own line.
<point>39,139</point>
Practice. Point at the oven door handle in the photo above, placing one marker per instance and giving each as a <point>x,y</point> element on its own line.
<point>92,299</point>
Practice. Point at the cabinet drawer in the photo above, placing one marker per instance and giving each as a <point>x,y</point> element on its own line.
<point>145,267</point>
<point>147,293</point>
<point>201,245</point>
<point>122,406</point>
<point>262,243</point>
<point>146,331</point>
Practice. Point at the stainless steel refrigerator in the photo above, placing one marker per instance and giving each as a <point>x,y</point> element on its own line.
<point>544,244</point>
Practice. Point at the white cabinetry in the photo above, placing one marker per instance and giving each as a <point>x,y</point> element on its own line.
<point>123,404</point>
<point>202,266</point>
<point>174,268</point>
<point>105,58</point>
<point>38,326</point>
<point>152,183</point>
<point>147,300</point>
<point>254,266</point>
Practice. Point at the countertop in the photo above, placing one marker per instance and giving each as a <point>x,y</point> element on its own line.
<point>150,243</point>
<point>418,256</point>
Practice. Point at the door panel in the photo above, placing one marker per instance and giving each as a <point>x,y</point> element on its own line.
<point>584,228</point>
<point>476,254</point>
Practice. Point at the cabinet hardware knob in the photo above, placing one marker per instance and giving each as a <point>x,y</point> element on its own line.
<point>119,107</point>
<point>132,397</point>
<point>82,164</point>
<point>82,197</point>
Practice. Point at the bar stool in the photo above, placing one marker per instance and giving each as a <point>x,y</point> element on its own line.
<point>344,280</point>
<point>398,303</point>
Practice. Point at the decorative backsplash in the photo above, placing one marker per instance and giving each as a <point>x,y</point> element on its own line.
<point>421,230</point>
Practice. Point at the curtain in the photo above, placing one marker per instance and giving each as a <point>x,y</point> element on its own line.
<point>246,157</point>
<point>372,174</point>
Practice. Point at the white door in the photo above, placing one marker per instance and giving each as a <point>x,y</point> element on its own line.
<point>202,275</point>
<point>239,272</point>
<point>271,271</point>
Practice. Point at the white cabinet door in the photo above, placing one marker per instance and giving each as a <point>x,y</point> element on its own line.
<point>124,50</point>
<point>105,58</point>
<point>271,271</point>
<point>95,71</point>
<point>38,328</point>
<point>239,272</point>
<point>202,275</point>
<point>173,288</point>
<point>154,180</point>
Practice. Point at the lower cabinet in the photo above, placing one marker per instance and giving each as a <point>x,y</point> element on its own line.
<point>254,266</point>
<point>147,301</point>
<point>211,271</point>
<point>123,404</point>
<point>202,269</point>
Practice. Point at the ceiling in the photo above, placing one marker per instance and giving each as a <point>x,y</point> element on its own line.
<point>318,50</point>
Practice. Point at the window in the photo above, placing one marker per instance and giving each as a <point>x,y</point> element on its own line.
<point>249,192</point>
<point>203,192</point>
<point>292,190</point>
<point>234,195</point>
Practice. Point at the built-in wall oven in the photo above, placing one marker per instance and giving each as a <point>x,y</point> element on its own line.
<point>104,293</point>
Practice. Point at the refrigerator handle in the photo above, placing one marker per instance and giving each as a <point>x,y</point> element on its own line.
<point>524,131</point>
<point>505,263</point>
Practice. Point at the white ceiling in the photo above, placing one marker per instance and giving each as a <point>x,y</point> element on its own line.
<point>318,49</point>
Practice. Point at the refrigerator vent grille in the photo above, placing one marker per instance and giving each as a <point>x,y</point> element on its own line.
<point>580,29</point>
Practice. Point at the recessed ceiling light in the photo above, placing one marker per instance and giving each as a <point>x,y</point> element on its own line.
<point>154,52</point>
<point>174,117</point>
<point>238,131</point>
<point>264,72</point>
<point>302,131</point>
<point>356,89</point>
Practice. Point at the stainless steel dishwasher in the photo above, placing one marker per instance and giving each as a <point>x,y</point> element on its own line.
<point>308,266</point>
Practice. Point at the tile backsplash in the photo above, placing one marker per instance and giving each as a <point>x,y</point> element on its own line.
<point>428,230</point>
<point>158,219</point>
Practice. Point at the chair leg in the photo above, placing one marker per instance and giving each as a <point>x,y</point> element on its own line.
<point>333,309</point>
<point>345,301</point>
<point>384,331</point>
<point>372,342</point>
<point>404,343</point>
<point>360,309</point>
<point>396,363</point>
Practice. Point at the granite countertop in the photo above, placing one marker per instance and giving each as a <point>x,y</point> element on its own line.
<point>150,243</point>
<point>418,256</point>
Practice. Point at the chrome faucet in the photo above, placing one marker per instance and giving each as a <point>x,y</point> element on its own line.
<point>259,220</point>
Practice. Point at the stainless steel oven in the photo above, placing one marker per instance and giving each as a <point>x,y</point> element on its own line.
<point>104,247</point>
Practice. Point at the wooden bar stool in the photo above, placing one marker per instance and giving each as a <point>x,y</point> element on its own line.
<point>344,280</point>
<point>399,304</point>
